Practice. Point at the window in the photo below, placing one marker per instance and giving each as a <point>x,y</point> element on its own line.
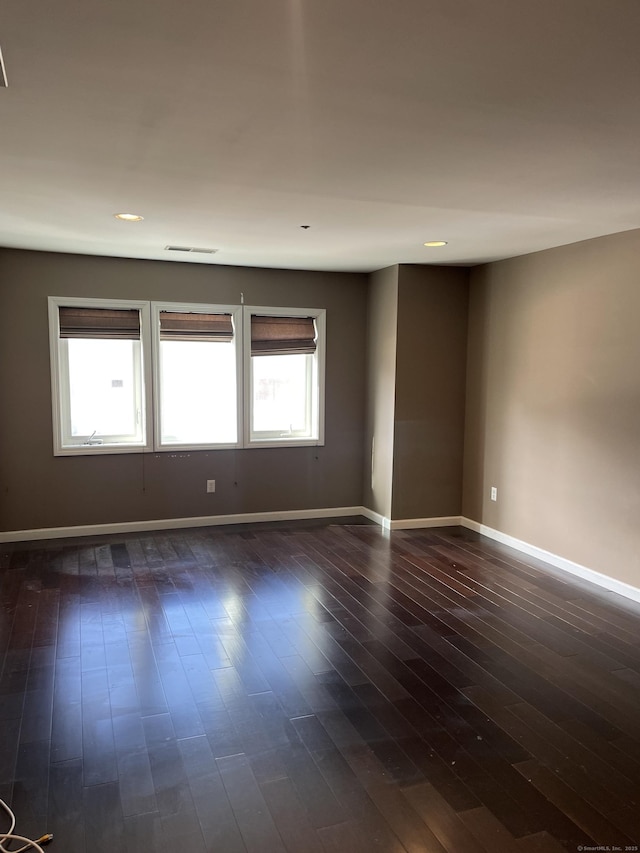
<point>98,375</point>
<point>285,364</point>
<point>197,375</point>
<point>130,376</point>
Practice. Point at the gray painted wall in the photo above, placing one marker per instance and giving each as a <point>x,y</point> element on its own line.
<point>39,490</point>
<point>382,322</point>
<point>430,391</point>
<point>552,402</point>
<point>553,405</point>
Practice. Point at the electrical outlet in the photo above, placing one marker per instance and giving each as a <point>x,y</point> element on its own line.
<point>494,493</point>
<point>211,486</point>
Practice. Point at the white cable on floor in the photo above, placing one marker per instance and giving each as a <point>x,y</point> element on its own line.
<point>10,836</point>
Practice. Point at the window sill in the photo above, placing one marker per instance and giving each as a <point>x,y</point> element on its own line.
<point>99,449</point>
<point>284,442</point>
<point>112,449</point>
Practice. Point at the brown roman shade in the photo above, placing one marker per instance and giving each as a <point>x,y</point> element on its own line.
<point>282,335</point>
<point>116,323</point>
<point>182,326</point>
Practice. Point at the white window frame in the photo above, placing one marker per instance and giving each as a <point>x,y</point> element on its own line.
<point>62,443</point>
<point>318,367</point>
<point>150,357</point>
<point>195,308</point>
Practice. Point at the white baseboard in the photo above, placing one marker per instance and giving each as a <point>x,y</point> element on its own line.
<point>569,566</point>
<point>375,516</point>
<point>385,523</point>
<point>410,523</point>
<point>413,523</point>
<point>176,523</point>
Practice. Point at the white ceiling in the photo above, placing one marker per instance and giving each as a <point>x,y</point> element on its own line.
<point>502,126</point>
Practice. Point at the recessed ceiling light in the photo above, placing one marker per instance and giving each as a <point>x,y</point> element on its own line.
<point>191,249</point>
<point>129,217</point>
<point>434,244</point>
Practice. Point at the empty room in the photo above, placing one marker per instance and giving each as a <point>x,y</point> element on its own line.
<point>319,426</point>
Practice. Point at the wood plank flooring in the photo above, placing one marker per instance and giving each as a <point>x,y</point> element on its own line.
<point>314,688</point>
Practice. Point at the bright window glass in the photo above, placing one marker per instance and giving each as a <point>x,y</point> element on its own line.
<point>198,392</point>
<point>104,386</point>
<point>282,394</point>
<point>130,376</point>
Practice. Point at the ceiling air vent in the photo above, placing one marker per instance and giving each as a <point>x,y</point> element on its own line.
<point>191,249</point>
<point>3,72</point>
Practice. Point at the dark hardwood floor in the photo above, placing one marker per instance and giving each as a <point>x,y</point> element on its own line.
<point>314,688</point>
